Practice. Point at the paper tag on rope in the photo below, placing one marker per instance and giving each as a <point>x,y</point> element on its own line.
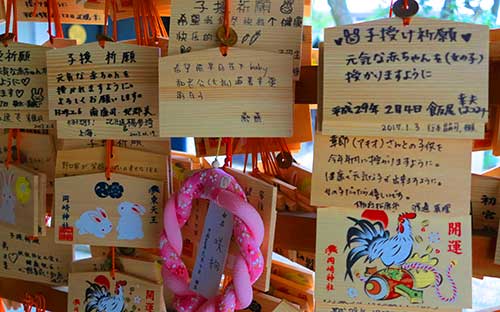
<point>393,259</point>
<point>428,79</point>
<point>245,94</point>
<point>262,196</point>
<point>23,92</point>
<point>124,211</point>
<point>212,251</point>
<point>20,199</point>
<point>269,25</point>
<point>104,93</point>
<point>99,291</point>
<point>36,260</point>
<point>71,12</point>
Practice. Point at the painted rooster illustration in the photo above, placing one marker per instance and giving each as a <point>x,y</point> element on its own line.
<point>369,238</point>
<point>98,298</point>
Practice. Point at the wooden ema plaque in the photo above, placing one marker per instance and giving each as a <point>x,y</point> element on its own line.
<point>71,12</point>
<point>393,174</point>
<point>23,82</point>
<point>392,260</point>
<point>245,94</point>
<point>125,161</point>
<point>123,212</point>
<point>485,204</point>
<point>99,291</point>
<point>20,199</point>
<point>151,146</point>
<point>428,79</point>
<point>260,195</point>
<point>104,93</point>
<point>35,260</point>
<point>269,25</point>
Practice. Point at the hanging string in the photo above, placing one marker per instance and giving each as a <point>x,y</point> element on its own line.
<point>53,15</point>
<point>14,134</point>
<point>109,5</point>
<point>148,23</point>
<point>406,3</point>
<point>228,161</point>
<point>227,16</point>
<point>38,303</point>
<point>109,155</point>
<point>113,262</point>
<point>11,13</point>
<point>391,9</point>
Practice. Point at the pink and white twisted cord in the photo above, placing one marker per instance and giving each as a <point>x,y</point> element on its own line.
<point>220,187</point>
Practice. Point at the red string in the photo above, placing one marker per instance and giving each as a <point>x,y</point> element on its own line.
<point>391,9</point>
<point>11,12</point>
<point>13,135</point>
<point>227,15</point>
<point>38,302</point>
<point>113,260</point>
<point>109,155</point>
<point>228,161</point>
<point>53,15</point>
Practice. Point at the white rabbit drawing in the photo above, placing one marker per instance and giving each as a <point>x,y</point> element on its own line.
<point>94,222</point>
<point>7,199</point>
<point>130,224</point>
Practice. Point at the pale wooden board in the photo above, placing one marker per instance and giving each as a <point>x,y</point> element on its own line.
<point>377,308</point>
<point>144,144</point>
<point>124,11</point>
<point>19,254</point>
<point>71,12</point>
<point>116,129</point>
<point>37,152</point>
<point>265,302</point>
<point>59,43</point>
<point>281,285</point>
<point>307,46</point>
<point>484,203</point>
<point>42,200</point>
<point>366,172</point>
<point>148,270</point>
<point>297,274</point>
<point>23,96</point>
<point>126,106</point>
<point>83,198</point>
<point>219,112</point>
<point>497,251</point>
<point>137,292</point>
<point>286,306</point>
<point>333,225</point>
<point>443,85</point>
<point>2,11</point>
<point>262,196</point>
<point>20,210</point>
<point>256,29</point>
<point>124,161</point>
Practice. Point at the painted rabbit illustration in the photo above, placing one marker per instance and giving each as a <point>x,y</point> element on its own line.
<point>94,222</point>
<point>7,199</point>
<point>130,224</point>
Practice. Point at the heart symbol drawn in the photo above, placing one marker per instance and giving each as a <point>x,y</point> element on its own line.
<point>338,41</point>
<point>13,257</point>
<point>467,37</point>
<point>19,93</point>
<point>25,81</point>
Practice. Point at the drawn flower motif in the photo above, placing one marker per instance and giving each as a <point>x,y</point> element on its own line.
<point>115,190</point>
<point>434,237</point>
<point>137,300</point>
<point>23,190</point>
<point>102,189</point>
<point>352,292</point>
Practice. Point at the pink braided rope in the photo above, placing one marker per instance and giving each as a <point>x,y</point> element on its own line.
<point>220,187</point>
<point>449,278</point>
